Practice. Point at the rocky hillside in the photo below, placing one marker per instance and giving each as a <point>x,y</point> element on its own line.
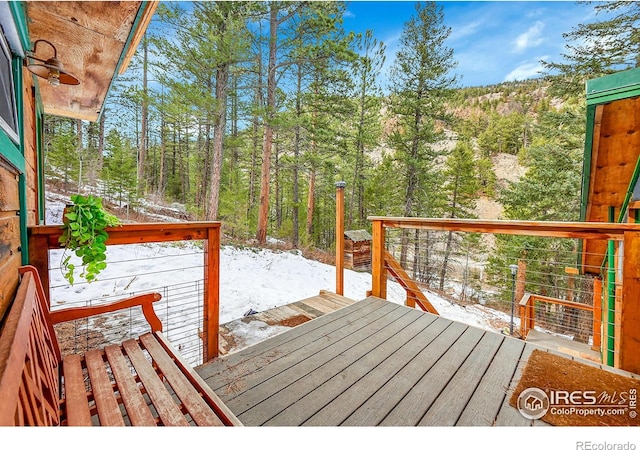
<point>478,108</point>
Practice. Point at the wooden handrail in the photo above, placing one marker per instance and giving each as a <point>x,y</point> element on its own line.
<point>573,230</point>
<point>43,238</point>
<point>554,301</point>
<point>580,230</point>
<point>414,293</point>
<point>136,233</point>
<point>527,309</point>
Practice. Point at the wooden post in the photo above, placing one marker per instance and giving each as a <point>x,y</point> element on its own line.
<point>597,314</point>
<point>570,316</point>
<point>378,271</point>
<point>340,185</point>
<point>630,306</point>
<point>211,319</point>
<point>39,258</point>
<point>521,279</point>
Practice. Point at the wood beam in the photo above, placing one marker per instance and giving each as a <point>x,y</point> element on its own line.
<point>577,230</point>
<point>630,305</point>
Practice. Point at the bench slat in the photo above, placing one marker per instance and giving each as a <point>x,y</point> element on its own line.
<point>135,404</point>
<point>76,404</point>
<point>221,410</point>
<point>201,413</point>
<point>106,403</point>
<point>166,407</point>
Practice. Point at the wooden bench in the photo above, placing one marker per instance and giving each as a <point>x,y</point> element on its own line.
<point>141,382</point>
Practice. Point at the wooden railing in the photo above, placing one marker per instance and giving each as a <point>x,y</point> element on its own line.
<point>415,296</point>
<point>627,234</point>
<point>528,314</point>
<point>45,238</point>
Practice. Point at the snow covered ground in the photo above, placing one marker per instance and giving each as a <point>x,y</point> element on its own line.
<point>250,279</point>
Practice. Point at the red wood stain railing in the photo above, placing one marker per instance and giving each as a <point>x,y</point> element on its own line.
<point>528,313</point>
<point>45,237</point>
<point>627,234</point>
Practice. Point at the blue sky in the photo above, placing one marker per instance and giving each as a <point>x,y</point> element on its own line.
<point>493,41</point>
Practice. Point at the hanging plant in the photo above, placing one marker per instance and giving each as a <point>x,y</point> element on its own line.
<point>84,223</point>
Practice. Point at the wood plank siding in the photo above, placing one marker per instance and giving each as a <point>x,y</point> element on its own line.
<point>10,258</point>
<point>10,244</point>
<point>374,363</point>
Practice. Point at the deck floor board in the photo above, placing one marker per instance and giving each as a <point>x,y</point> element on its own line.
<point>447,407</point>
<point>325,365</point>
<point>302,360</point>
<point>244,361</point>
<point>414,403</point>
<point>355,368</point>
<point>488,396</point>
<point>374,363</point>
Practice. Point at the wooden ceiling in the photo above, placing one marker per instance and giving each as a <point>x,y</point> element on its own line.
<point>614,152</point>
<point>94,41</point>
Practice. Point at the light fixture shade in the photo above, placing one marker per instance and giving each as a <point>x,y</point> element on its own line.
<point>51,69</point>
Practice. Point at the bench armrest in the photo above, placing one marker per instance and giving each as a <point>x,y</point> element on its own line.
<point>82,312</point>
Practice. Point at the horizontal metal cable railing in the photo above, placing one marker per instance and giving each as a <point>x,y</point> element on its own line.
<point>534,272</point>
<point>178,261</point>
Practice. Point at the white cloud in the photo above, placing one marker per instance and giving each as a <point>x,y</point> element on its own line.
<point>465,30</point>
<point>348,14</point>
<point>525,70</point>
<point>530,38</point>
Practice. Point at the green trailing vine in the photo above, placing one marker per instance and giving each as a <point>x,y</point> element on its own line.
<point>84,234</point>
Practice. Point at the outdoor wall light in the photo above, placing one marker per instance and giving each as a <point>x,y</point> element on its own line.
<point>50,69</point>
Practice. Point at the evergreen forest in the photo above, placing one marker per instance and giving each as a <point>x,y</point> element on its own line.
<point>249,112</point>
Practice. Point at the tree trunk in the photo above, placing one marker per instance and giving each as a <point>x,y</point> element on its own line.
<point>263,213</point>
<point>296,161</point>
<point>276,186</point>
<point>311,202</point>
<point>447,251</point>
<point>222,79</point>
<point>142,150</point>
<point>103,118</point>
<point>79,150</point>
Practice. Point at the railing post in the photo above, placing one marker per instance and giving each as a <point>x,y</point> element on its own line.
<point>211,319</point>
<point>340,185</point>
<point>378,271</point>
<point>39,258</point>
<point>524,316</point>
<point>629,336</point>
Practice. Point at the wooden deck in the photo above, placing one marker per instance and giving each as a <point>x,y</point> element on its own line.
<point>577,349</point>
<point>276,320</point>
<point>374,363</point>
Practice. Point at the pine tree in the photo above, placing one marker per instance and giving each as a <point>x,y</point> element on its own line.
<point>367,129</point>
<point>61,155</point>
<point>209,39</point>
<point>420,82</point>
<point>119,172</point>
<point>460,189</point>
<point>549,191</point>
<point>600,47</point>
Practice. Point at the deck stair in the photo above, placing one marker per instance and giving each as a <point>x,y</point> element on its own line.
<point>274,321</point>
